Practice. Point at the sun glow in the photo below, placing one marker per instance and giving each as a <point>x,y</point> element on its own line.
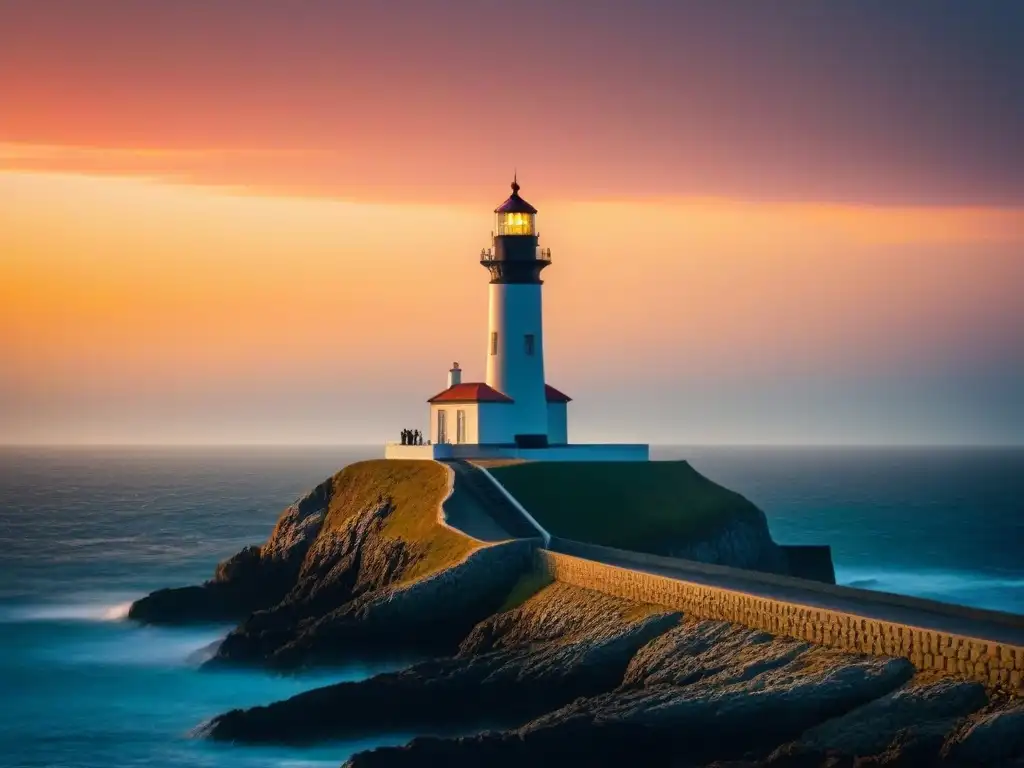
<point>119,288</point>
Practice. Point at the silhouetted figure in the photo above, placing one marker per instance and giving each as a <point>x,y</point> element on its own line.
<point>405,437</point>
<point>417,437</point>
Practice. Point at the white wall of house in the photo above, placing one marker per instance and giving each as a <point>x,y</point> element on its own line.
<point>470,413</point>
<point>494,423</point>
<point>558,423</point>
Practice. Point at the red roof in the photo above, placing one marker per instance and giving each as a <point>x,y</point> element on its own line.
<point>554,396</point>
<point>470,392</point>
<point>478,392</point>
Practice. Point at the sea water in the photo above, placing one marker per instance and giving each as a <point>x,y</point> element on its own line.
<point>85,531</point>
<point>941,523</point>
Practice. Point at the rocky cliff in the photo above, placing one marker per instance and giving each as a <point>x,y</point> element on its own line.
<point>561,644</point>
<point>575,675</point>
<point>254,579</point>
<point>523,671</point>
<point>360,565</point>
<point>741,541</point>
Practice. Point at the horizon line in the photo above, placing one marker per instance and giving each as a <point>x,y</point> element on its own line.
<point>740,444</point>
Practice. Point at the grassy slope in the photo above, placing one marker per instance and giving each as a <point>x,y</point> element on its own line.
<point>416,488</point>
<point>629,505</point>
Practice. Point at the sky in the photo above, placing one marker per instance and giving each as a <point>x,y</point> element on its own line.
<point>258,221</point>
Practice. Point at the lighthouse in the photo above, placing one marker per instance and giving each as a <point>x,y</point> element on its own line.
<point>515,318</point>
<point>513,412</point>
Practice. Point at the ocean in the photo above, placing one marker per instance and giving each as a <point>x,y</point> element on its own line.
<point>84,531</point>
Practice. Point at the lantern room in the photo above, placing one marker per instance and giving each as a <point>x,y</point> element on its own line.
<point>515,216</point>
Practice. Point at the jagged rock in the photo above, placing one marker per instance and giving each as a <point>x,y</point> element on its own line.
<point>563,643</point>
<point>255,578</point>
<point>357,567</point>
<point>427,615</point>
<point>700,649</point>
<point>994,737</point>
<point>743,541</point>
<point>906,727</point>
<point>761,692</point>
<point>360,567</point>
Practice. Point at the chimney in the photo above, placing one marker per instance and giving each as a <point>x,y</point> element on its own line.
<point>454,375</point>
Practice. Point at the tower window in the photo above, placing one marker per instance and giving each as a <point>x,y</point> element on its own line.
<point>516,224</point>
<point>494,342</point>
<point>528,343</point>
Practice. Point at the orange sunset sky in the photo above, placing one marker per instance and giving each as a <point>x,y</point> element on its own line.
<point>260,221</point>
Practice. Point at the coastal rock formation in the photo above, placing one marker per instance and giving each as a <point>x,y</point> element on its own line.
<point>255,578</point>
<point>427,615</point>
<point>579,675</point>
<point>702,691</point>
<point>908,726</point>
<point>709,693</point>
<point>741,541</point>
<point>362,566</point>
<point>990,737</point>
<point>561,644</point>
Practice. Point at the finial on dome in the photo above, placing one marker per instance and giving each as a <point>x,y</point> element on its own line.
<point>515,204</point>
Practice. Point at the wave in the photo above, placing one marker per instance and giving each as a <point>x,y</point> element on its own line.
<point>972,588</point>
<point>85,609</point>
<point>140,646</point>
<point>203,653</point>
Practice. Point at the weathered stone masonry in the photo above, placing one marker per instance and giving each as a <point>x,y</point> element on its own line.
<point>995,664</point>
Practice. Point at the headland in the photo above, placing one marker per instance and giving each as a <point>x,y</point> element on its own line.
<point>529,645</point>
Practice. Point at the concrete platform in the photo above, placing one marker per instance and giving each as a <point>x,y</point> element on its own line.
<point>476,451</point>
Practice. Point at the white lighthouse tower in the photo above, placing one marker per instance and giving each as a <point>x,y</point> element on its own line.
<point>513,412</point>
<point>515,327</point>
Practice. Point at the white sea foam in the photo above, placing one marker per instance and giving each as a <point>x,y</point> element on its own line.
<point>119,611</point>
<point>145,647</point>
<point>995,592</point>
<point>85,610</point>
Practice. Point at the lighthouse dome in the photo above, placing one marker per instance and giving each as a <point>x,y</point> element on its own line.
<point>515,216</point>
<point>515,204</point>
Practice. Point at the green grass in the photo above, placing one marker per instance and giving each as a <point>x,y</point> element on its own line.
<point>643,506</point>
<point>416,488</point>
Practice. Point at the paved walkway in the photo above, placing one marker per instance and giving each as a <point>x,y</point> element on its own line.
<point>978,624</point>
<point>482,508</point>
<point>465,511</point>
<point>477,509</point>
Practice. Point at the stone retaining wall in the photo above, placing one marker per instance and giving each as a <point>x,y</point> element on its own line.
<point>474,587</point>
<point>995,664</point>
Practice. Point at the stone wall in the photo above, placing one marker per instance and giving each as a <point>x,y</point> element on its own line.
<point>994,663</point>
<point>484,578</point>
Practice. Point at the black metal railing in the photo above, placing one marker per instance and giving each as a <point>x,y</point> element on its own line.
<point>487,254</point>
